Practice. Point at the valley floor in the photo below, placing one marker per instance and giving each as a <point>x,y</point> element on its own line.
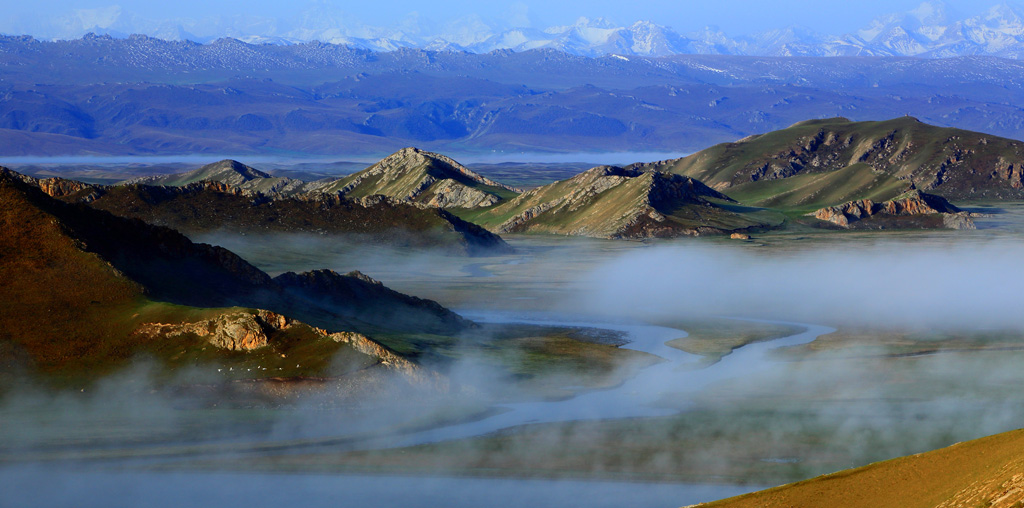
<point>915,363</point>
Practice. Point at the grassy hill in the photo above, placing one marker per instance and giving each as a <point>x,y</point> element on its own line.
<point>821,163</point>
<point>612,202</point>
<point>987,472</point>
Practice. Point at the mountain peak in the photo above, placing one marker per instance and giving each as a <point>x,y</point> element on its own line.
<point>228,167</point>
<point>415,175</point>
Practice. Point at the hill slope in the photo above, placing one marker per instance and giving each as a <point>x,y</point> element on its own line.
<point>414,175</point>
<point>985,472</point>
<point>612,202</point>
<point>84,291</point>
<point>210,205</point>
<point>827,162</point>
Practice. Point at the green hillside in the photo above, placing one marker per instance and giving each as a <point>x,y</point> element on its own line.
<point>821,163</point>
<point>612,202</point>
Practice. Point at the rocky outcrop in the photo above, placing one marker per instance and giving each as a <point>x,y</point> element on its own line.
<point>910,203</point>
<point>451,194</point>
<point>249,330</point>
<point>57,187</point>
<point>240,330</point>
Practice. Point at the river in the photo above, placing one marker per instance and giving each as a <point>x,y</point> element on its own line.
<point>116,485</point>
<point>636,397</point>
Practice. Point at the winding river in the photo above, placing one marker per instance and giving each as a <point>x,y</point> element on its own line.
<point>636,397</point>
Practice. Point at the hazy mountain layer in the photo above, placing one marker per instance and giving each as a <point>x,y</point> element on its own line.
<point>139,96</point>
<point>928,30</point>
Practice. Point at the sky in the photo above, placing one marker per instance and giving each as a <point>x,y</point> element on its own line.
<point>734,17</point>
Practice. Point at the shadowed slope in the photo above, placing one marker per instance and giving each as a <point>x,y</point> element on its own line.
<point>78,284</point>
<point>208,205</point>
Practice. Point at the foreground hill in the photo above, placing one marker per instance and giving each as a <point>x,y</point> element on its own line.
<point>613,202</point>
<point>85,291</point>
<point>985,472</point>
<point>210,205</point>
<point>411,174</point>
<point>822,163</point>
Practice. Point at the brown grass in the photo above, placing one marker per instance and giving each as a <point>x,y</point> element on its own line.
<point>985,472</point>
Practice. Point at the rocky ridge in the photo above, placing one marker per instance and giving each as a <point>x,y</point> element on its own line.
<point>910,203</point>
<point>878,160</point>
<point>614,202</point>
<point>212,205</point>
<point>414,175</point>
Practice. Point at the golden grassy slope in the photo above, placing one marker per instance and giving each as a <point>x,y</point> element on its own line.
<point>986,472</point>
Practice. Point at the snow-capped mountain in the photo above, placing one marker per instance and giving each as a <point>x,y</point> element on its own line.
<point>930,30</point>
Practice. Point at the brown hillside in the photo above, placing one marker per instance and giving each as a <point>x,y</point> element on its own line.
<point>987,472</point>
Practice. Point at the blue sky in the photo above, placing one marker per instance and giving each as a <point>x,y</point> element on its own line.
<point>735,17</point>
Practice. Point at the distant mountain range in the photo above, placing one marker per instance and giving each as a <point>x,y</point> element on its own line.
<point>101,95</point>
<point>930,30</point>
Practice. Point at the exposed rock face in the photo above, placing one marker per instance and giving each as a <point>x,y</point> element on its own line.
<point>911,203</point>
<point>55,187</point>
<point>451,194</point>
<point>245,330</point>
<point>739,236</point>
<point>236,331</point>
<point>614,202</point>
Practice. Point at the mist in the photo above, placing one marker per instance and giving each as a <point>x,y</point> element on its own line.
<point>769,412</point>
<point>971,285</point>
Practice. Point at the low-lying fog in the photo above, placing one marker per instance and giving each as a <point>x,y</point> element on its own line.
<point>866,403</point>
